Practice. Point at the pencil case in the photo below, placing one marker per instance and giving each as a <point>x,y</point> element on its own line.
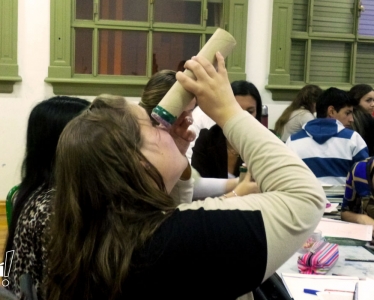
<point>319,259</point>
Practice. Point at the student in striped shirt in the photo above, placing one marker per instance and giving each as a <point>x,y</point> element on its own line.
<point>326,144</point>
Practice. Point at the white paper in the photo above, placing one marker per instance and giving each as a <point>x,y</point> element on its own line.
<point>365,290</point>
<point>333,207</point>
<point>341,229</point>
<point>296,283</point>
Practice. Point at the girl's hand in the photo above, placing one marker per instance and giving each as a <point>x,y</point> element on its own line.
<point>181,134</point>
<point>211,88</point>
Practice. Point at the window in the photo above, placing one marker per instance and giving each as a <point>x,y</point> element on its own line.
<point>323,42</point>
<point>8,45</point>
<point>114,46</point>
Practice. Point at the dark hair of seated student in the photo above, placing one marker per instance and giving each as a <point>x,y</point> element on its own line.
<point>364,125</point>
<point>155,89</point>
<point>30,207</point>
<point>304,105</point>
<point>332,97</point>
<point>363,95</point>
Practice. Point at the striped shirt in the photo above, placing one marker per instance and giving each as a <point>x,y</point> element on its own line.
<point>328,149</point>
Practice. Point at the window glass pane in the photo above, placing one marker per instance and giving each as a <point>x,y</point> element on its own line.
<point>122,52</point>
<point>84,9</point>
<point>333,16</point>
<point>330,61</point>
<point>365,63</point>
<point>366,21</point>
<point>129,10</point>
<point>215,13</point>
<point>297,62</point>
<point>83,51</point>
<point>178,11</point>
<point>170,50</point>
<point>300,15</point>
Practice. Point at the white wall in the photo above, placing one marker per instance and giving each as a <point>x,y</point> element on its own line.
<point>33,61</point>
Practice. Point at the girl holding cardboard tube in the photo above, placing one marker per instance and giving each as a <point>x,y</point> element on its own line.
<point>126,239</point>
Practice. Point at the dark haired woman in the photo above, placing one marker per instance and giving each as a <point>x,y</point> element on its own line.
<point>300,111</point>
<point>213,155</point>
<point>363,94</point>
<point>31,207</point>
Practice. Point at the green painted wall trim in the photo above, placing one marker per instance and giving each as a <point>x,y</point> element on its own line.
<point>289,92</point>
<point>94,89</point>
<point>237,76</point>
<point>8,45</point>
<point>6,87</point>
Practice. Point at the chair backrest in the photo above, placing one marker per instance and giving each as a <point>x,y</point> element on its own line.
<point>9,202</point>
<point>7,295</point>
<point>27,288</point>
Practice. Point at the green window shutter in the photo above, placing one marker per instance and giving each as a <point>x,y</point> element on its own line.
<point>330,62</point>
<point>60,39</point>
<point>335,16</point>
<point>297,63</point>
<point>8,45</point>
<point>365,63</point>
<point>238,28</point>
<point>281,42</point>
<point>300,15</point>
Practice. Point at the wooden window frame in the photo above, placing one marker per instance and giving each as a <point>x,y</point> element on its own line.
<point>8,45</point>
<point>60,71</point>
<point>279,82</point>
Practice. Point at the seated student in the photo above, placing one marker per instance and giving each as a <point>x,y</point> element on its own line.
<point>117,234</point>
<point>213,155</point>
<point>324,144</point>
<point>358,201</point>
<point>299,112</point>
<point>156,88</point>
<point>364,125</point>
<point>31,209</point>
<point>363,94</point>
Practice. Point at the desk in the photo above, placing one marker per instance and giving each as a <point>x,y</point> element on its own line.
<point>349,268</point>
<point>273,288</point>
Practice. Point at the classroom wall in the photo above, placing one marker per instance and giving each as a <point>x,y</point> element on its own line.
<point>33,61</point>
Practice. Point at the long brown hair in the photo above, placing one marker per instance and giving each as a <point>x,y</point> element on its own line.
<point>306,98</point>
<point>109,201</point>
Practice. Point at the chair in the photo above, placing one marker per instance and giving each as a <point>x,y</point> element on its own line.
<point>9,202</point>
<point>7,295</point>
<point>27,288</point>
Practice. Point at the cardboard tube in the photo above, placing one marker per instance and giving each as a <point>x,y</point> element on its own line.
<point>177,98</point>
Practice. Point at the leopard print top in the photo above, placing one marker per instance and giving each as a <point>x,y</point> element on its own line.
<point>30,241</point>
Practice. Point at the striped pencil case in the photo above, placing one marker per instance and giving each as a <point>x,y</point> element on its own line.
<point>319,259</point>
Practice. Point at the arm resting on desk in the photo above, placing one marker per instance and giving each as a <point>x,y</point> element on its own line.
<point>352,217</point>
